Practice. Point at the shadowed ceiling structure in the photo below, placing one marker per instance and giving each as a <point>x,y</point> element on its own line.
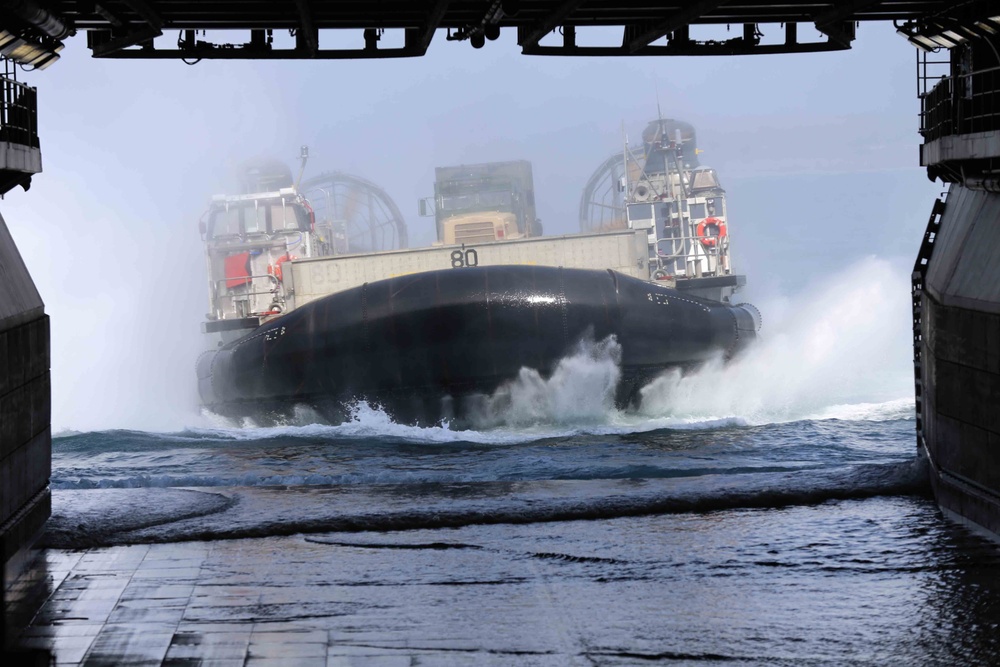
<point>33,30</point>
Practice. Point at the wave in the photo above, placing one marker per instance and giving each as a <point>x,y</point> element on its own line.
<point>374,426</point>
<point>126,516</point>
<point>899,409</point>
<point>637,470</point>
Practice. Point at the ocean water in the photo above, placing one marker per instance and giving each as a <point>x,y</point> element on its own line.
<point>811,541</point>
<point>772,510</point>
<point>369,467</point>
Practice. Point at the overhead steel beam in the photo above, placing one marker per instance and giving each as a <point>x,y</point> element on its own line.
<point>112,17</point>
<point>639,37</point>
<point>738,48</point>
<point>243,52</point>
<point>104,43</point>
<point>837,24</point>
<point>842,11</point>
<point>420,38</point>
<point>310,36</point>
<point>532,34</point>
<point>646,22</point>
<point>102,48</point>
<point>148,14</point>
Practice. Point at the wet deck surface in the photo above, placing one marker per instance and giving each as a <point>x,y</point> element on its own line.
<point>878,581</point>
<point>293,601</point>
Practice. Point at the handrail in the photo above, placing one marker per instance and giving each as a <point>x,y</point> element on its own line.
<point>718,253</point>
<point>709,251</point>
<point>232,297</point>
<point>18,113</point>
<point>960,103</point>
<point>248,280</point>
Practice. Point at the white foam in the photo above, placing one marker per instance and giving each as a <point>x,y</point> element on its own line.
<point>902,408</point>
<point>580,391</point>
<point>844,344</point>
<point>365,421</point>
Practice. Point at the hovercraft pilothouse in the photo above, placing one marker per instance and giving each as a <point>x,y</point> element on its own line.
<point>683,208</point>
<point>249,238</point>
<point>253,239</point>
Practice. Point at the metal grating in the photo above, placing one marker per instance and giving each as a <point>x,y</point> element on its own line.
<point>474,232</point>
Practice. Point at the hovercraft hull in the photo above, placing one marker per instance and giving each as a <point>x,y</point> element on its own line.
<point>417,342</point>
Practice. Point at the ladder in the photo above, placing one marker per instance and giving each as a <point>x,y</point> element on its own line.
<point>917,279</point>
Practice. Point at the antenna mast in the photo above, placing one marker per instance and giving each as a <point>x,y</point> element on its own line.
<point>625,162</point>
<point>304,156</point>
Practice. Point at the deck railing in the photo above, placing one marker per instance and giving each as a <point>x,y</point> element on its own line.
<point>224,301</point>
<point>18,113</point>
<point>962,104</point>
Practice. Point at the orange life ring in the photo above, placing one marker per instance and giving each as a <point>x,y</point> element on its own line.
<point>275,269</point>
<point>709,241</point>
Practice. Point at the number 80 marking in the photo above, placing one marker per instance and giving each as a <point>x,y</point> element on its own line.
<point>464,258</point>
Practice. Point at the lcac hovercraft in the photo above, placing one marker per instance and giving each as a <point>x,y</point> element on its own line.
<point>309,310</point>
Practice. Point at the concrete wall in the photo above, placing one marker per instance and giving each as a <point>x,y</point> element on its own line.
<point>25,432</point>
<point>961,358</point>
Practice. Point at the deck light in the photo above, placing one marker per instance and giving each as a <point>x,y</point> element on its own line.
<point>24,51</point>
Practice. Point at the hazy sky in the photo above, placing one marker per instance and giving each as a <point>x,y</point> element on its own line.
<point>818,152</point>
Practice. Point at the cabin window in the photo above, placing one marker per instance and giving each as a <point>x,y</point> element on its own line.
<point>477,201</point>
<point>457,202</point>
<point>716,207</point>
<point>226,222</point>
<point>283,218</point>
<point>697,211</point>
<point>501,199</point>
<point>705,179</point>
<point>255,219</point>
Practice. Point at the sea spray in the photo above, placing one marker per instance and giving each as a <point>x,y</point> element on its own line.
<point>842,345</point>
<point>581,390</point>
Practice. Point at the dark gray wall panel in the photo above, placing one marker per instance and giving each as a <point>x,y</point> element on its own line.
<point>25,433</point>
<point>965,270</point>
<point>960,359</point>
<point>19,300</point>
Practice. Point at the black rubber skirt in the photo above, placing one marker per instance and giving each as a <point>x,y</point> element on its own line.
<point>408,343</point>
